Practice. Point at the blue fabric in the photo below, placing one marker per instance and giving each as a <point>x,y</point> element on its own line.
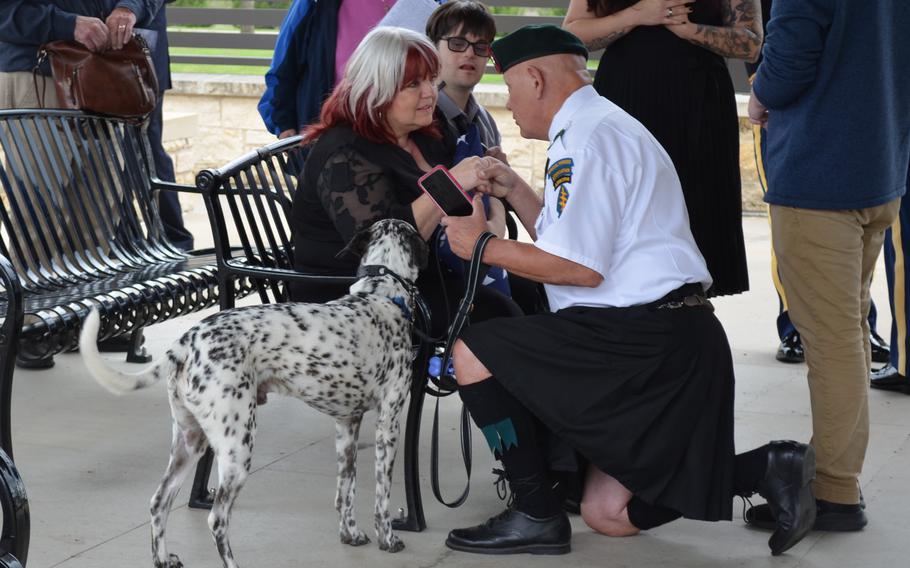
<point>834,76</point>
<point>470,145</point>
<point>302,73</point>
<point>899,321</point>
<point>26,24</point>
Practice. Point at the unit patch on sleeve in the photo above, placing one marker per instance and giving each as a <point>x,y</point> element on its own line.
<point>560,173</point>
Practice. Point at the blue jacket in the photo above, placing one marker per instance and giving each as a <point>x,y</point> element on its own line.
<point>835,78</point>
<point>26,24</point>
<point>302,73</point>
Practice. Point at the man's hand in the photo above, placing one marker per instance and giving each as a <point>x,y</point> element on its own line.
<point>92,33</point>
<point>120,24</point>
<point>758,113</point>
<point>496,178</point>
<point>496,152</point>
<point>463,232</point>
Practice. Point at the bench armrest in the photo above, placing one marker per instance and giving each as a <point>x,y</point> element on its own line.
<point>240,268</point>
<point>169,185</point>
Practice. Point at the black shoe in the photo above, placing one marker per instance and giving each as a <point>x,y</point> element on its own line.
<point>514,532</point>
<point>881,353</point>
<point>888,378</point>
<point>786,487</point>
<point>791,350</point>
<point>833,517</point>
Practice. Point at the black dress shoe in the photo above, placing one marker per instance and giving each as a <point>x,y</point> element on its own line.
<point>881,353</point>
<point>514,532</point>
<point>834,517</point>
<point>786,487</point>
<point>791,350</point>
<point>888,378</point>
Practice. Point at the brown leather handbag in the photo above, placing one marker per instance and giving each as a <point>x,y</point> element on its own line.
<point>119,83</point>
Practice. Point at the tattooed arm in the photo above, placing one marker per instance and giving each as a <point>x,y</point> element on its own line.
<point>599,32</point>
<point>739,37</point>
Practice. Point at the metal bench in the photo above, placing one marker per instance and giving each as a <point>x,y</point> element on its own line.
<point>80,229</point>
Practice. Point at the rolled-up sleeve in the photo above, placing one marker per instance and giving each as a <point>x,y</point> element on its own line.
<point>793,46</point>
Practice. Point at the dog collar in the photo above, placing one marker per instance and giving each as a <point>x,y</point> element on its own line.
<point>376,270</point>
<point>403,306</point>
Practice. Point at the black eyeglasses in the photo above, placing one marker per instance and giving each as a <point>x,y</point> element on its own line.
<point>460,45</point>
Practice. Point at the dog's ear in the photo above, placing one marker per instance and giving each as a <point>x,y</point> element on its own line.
<point>420,252</point>
<point>357,246</point>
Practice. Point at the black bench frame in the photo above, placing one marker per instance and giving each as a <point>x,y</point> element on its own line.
<point>81,229</point>
<point>249,205</point>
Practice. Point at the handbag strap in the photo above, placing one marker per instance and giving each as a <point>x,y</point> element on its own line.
<point>476,272</point>
<point>39,93</point>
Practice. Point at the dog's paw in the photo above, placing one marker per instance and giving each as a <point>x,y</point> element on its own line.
<point>355,538</point>
<point>173,561</point>
<point>394,544</point>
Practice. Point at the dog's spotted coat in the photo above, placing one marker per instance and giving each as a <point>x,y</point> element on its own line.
<point>343,358</point>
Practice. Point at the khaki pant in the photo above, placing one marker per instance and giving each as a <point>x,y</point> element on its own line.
<point>826,259</point>
<point>17,90</point>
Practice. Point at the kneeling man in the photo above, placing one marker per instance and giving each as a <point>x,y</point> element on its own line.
<point>632,369</point>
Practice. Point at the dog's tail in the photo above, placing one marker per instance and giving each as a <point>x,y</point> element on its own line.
<point>113,380</point>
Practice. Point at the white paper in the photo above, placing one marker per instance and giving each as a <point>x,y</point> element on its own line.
<point>410,14</point>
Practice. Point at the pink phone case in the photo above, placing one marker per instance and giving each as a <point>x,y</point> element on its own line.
<point>451,178</point>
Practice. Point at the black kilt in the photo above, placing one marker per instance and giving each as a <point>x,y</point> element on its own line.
<point>645,394</point>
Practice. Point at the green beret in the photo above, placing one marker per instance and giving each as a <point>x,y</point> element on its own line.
<point>531,42</point>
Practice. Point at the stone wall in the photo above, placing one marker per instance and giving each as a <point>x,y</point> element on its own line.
<point>212,119</point>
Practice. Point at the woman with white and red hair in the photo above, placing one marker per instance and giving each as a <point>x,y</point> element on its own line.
<point>375,138</point>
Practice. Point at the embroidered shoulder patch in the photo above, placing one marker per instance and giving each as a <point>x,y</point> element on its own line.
<point>560,173</point>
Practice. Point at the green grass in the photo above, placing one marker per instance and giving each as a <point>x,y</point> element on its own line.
<point>220,69</point>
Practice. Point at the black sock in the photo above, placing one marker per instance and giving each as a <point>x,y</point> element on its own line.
<point>645,516</point>
<point>510,431</point>
<point>749,470</point>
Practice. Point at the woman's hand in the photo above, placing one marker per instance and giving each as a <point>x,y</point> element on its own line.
<point>466,172</point>
<point>661,12</point>
<point>740,35</point>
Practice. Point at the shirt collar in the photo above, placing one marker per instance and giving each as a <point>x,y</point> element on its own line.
<point>451,110</point>
<point>563,117</point>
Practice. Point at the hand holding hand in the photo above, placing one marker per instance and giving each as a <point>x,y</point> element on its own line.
<point>92,33</point>
<point>465,172</point>
<point>120,25</point>
<point>463,232</point>
<point>662,12</point>
<point>496,178</point>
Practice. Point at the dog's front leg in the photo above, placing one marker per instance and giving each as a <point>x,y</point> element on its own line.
<point>386,445</point>
<point>346,433</point>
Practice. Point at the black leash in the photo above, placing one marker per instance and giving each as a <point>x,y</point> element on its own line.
<point>445,383</point>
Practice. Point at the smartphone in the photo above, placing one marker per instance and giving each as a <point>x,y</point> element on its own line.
<point>442,188</point>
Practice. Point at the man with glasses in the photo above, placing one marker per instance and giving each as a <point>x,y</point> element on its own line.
<point>462,31</point>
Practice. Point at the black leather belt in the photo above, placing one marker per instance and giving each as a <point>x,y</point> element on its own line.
<point>686,296</point>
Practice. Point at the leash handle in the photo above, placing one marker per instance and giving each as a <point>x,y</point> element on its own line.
<point>465,454</point>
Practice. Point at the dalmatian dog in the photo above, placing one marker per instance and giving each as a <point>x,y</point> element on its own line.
<point>343,358</point>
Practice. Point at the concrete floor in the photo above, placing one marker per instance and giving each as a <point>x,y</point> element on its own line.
<point>91,461</point>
